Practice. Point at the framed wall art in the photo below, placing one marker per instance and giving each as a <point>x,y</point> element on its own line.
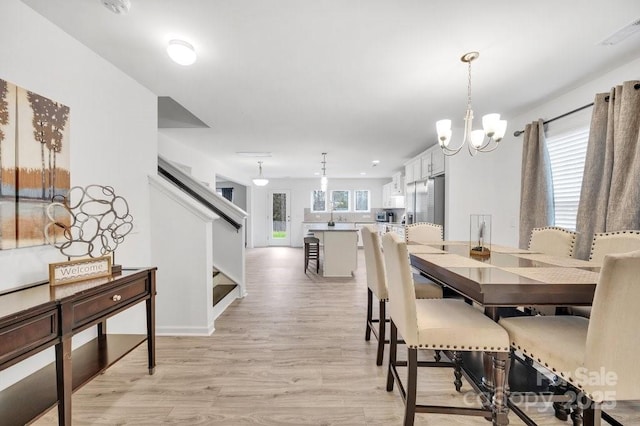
<point>34,163</point>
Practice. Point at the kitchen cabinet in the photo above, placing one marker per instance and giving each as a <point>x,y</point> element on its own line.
<point>390,199</point>
<point>340,249</point>
<point>359,230</point>
<point>383,228</point>
<point>386,195</point>
<point>398,229</point>
<point>412,171</point>
<point>432,162</point>
<point>397,184</point>
<point>437,161</point>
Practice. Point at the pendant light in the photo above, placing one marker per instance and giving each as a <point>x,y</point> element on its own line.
<point>324,180</point>
<point>260,180</point>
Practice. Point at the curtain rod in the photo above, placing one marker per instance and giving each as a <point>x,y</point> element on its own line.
<point>519,132</point>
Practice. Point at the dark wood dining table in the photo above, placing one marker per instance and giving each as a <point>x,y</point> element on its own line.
<point>510,278</point>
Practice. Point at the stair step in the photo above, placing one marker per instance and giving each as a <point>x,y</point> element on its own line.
<point>221,290</point>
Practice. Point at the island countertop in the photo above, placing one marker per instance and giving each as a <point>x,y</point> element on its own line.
<point>339,226</point>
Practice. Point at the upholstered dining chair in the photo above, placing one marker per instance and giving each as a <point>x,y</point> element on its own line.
<point>595,356</point>
<point>438,324</point>
<point>377,287</point>
<point>423,232</point>
<point>605,243</point>
<point>552,240</point>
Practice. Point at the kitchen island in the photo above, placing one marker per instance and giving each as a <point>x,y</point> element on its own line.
<point>340,248</point>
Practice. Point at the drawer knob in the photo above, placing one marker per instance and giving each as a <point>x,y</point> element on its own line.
<point>116,298</point>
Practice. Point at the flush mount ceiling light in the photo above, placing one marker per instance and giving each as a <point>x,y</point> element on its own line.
<point>119,7</point>
<point>181,52</point>
<point>493,128</point>
<point>260,180</point>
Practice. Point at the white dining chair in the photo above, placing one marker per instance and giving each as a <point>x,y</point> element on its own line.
<point>597,356</point>
<point>423,233</point>
<point>552,240</point>
<point>605,243</point>
<point>438,324</point>
<point>377,287</point>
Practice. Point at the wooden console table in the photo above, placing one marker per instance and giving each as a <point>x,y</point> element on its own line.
<point>38,316</point>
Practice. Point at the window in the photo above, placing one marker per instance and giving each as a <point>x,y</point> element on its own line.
<point>567,153</point>
<point>318,201</point>
<point>362,200</point>
<point>341,201</point>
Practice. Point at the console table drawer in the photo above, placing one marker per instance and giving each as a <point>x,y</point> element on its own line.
<point>29,333</point>
<point>110,300</point>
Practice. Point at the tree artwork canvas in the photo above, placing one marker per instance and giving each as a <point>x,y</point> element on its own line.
<point>34,163</point>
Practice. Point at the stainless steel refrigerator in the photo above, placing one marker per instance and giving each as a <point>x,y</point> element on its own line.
<point>425,201</point>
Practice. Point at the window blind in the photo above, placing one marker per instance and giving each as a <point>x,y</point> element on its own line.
<point>567,153</point>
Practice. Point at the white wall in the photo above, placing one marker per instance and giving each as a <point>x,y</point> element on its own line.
<point>202,167</point>
<point>113,123</point>
<point>490,183</point>
<point>239,192</point>
<point>300,199</point>
<point>184,281</point>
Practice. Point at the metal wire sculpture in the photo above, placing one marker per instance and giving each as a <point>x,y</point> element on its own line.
<point>90,221</point>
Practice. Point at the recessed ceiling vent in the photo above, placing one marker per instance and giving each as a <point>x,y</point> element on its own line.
<point>119,7</point>
<point>622,34</point>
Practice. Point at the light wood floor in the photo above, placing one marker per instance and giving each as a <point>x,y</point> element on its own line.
<point>291,353</point>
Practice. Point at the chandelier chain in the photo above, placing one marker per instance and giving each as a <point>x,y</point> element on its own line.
<point>469,87</point>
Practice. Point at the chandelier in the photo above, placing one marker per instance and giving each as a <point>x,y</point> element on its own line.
<point>260,180</point>
<point>485,140</point>
<point>324,180</point>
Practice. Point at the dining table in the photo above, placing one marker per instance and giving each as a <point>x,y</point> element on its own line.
<point>509,281</point>
<point>508,277</point>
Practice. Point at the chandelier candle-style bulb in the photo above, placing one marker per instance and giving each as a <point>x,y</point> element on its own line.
<point>485,140</point>
<point>443,128</point>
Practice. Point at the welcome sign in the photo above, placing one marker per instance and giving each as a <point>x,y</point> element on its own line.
<point>79,270</point>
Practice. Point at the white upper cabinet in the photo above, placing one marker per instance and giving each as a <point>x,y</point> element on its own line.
<point>391,199</point>
<point>397,184</point>
<point>412,171</point>
<point>437,161</point>
<point>428,164</point>
<point>425,159</point>
<point>432,162</point>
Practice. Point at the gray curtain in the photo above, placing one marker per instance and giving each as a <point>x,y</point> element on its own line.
<point>536,188</point>
<point>610,195</point>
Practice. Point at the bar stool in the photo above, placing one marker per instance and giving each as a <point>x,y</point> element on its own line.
<point>311,252</point>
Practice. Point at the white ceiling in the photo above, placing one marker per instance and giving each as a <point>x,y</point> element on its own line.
<point>361,80</point>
